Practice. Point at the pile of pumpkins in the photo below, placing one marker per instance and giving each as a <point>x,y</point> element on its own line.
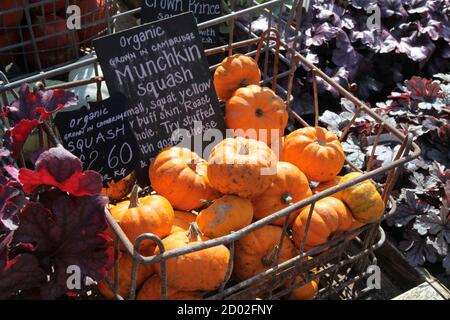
<point>242,181</point>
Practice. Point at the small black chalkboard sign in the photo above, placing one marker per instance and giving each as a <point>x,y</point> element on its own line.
<point>203,10</point>
<point>101,137</point>
<point>162,70</point>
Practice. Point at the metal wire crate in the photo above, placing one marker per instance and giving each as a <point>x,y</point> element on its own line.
<point>39,44</point>
<point>35,33</point>
<point>341,268</point>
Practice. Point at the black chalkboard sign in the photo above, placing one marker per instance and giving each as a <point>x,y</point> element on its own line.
<point>101,137</point>
<point>203,10</point>
<point>162,70</point>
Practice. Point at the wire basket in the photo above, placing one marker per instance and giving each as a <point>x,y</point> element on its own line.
<point>342,263</point>
<point>41,34</point>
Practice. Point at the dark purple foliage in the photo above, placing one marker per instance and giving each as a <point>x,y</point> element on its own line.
<point>377,43</point>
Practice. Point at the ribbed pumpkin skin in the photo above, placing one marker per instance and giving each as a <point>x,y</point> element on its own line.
<point>234,72</point>
<point>151,290</point>
<point>226,214</point>
<point>327,184</point>
<point>153,215</point>
<point>315,151</point>
<point>355,225</point>
<point>124,276</point>
<point>182,221</point>
<point>305,292</point>
<point>289,186</point>
<point>363,199</point>
<point>329,218</point>
<point>254,111</point>
<point>180,175</point>
<point>202,270</point>
<point>241,166</point>
<point>252,250</point>
<point>120,189</point>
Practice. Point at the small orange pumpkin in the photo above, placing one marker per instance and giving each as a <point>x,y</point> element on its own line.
<point>120,189</point>
<point>289,186</point>
<point>241,166</point>
<point>330,217</point>
<point>256,252</point>
<point>151,290</point>
<point>180,175</point>
<point>226,214</point>
<point>151,214</point>
<point>124,277</point>
<point>254,112</point>
<point>327,184</point>
<point>182,220</point>
<point>355,225</point>
<point>234,72</point>
<point>315,151</point>
<point>202,270</point>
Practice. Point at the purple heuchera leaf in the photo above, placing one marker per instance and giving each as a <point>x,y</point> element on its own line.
<point>339,74</point>
<point>391,8</point>
<point>420,6</point>
<point>409,209</point>
<point>66,231</point>
<point>12,199</point>
<point>317,36</point>
<point>37,105</point>
<point>345,54</point>
<point>58,167</point>
<point>417,249</point>
<point>417,47</point>
<point>363,4</point>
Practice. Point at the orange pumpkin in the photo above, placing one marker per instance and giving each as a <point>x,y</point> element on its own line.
<point>182,221</point>
<point>181,176</point>
<point>151,290</point>
<point>226,214</point>
<point>120,189</point>
<point>255,252</point>
<point>308,291</point>
<point>124,277</point>
<point>202,270</point>
<point>151,214</point>
<point>355,225</point>
<point>329,218</point>
<point>327,184</point>
<point>234,72</point>
<point>241,166</point>
<point>315,151</point>
<point>289,186</point>
<point>254,112</point>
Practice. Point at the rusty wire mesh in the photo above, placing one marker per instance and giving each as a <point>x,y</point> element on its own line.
<point>35,33</point>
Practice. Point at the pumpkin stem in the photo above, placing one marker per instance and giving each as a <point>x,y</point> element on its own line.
<point>192,163</point>
<point>321,142</point>
<point>194,231</point>
<point>259,113</point>
<point>245,82</point>
<point>269,259</point>
<point>134,199</point>
<point>286,198</point>
<point>206,202</point>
